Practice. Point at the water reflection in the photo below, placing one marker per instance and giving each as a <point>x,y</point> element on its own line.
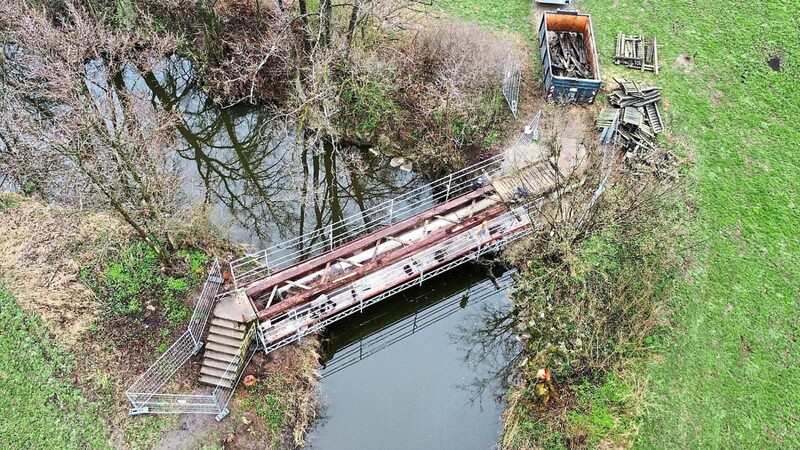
<point>265,181</point>
<point>487,340</point>
<point>399,376</point>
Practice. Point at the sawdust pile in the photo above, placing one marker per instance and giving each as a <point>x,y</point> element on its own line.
<point>42,249</point>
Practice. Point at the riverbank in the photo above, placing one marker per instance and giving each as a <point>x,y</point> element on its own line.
<point>94,308</point>
<point>718,370</point>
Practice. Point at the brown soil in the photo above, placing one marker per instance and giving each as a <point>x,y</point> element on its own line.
<point>684,62</point>
<point>775,63</point>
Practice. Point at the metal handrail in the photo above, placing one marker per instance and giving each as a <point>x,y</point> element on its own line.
<point>222,394</point>
<point>205,303</point>
<point>150,383</point>
<point>280,256</point>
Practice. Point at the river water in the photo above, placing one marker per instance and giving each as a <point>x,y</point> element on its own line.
<point>399,375</point>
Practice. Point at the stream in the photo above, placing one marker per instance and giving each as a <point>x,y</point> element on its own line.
<point>399,375</point>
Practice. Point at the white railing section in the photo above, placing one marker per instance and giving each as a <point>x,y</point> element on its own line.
<point>266,262</point>
<point>222,394</point>
<point>205,303</point>
<point>466,246</point>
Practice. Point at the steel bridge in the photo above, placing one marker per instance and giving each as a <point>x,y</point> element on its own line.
<point>297,287</point>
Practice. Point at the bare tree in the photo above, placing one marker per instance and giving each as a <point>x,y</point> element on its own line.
<point>72,125</point>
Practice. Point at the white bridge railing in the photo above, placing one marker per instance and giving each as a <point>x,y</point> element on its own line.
<point>263,263</point>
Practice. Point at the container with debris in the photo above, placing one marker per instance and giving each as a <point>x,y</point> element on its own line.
<point>569,57</point>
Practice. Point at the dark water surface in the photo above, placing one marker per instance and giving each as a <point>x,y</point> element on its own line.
<point>398,376</point>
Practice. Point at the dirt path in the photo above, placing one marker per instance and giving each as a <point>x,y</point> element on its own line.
<point>192,432</point>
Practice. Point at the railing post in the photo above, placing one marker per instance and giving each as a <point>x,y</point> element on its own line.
<point>391,211</point>
<point>198,344</point>
<point>449,183</point>
<point>330,231</point>
<point>233,276</point>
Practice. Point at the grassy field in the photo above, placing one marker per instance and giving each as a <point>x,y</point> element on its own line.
<point>41,408</point>
<point>729,372</point>
<point>726,374</point>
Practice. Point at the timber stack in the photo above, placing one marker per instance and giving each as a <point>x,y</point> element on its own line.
<point>637,53</point>
<point>570,58</point>
<point>633,123</point>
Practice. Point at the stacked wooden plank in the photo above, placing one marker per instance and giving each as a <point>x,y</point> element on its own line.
<point>634,122</point>
<point>607,122</point>
<point>637,53</point>
<point>568,54</point>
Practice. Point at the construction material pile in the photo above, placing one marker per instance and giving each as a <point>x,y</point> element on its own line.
<point>636,53</point>
<point>633,123</point>
<point>568,54</point>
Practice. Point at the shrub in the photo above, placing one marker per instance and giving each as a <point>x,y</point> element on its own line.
<point>587,301</point>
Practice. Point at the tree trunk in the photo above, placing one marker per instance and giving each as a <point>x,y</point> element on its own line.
<point>325,22</point>
<point>351,28</point>
<point>306,30</point>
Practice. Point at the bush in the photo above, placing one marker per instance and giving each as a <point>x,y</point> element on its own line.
<point>435,96</point>
<point>367,96</point>
<point>450,92</point>
<point>587,302</point>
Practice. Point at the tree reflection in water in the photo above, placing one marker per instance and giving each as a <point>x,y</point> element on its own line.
<point>273,181</point>
<point>486,338</point>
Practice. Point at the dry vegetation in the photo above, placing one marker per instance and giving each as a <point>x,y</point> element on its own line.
<point>589,296</point>
<point>34,241</point>
<point>72,132</point>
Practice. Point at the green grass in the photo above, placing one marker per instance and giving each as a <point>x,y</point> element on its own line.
<point>267,399</point>
<point>135,279</point>
<point>7,202</point>
<point>513,16</point>
<point>41,409</point>
<point>605,416</point>
<point>728,370</point>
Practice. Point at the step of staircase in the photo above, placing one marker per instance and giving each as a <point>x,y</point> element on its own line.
<point>230,332</point>
<point>224,340</point>
<point>222,348</point>
<point>225,323</point>
<point>213,381</point>
<point>219,364</point>
<point>219,356</point>
<point>218,373</point>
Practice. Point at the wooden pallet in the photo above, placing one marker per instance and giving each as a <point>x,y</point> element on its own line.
<point>536,180</point>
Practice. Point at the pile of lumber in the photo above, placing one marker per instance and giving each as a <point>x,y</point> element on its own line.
<point>637,53</point>
<point>633,122</point>
<point>568,55</point>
